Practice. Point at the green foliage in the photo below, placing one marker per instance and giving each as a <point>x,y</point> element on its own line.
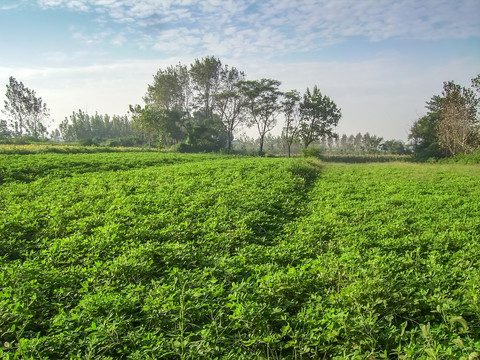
<point>291,110</point>
<point>262,103</point>
<point>319,115</point>
<point>355,159</point>
<point>205,77</point>
<point>200,106</point>
<point>5,133</point>
<point>451,126</point>
<point>81,126</point>
<point>463,159</point>
<point>187,256</point>
<point>312,152</point>
<point>26,112</point>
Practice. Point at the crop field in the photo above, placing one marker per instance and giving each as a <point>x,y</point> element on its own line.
<point>169,256</point>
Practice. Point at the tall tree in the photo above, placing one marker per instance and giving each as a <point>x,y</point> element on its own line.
<point>291,110</point>
<point>26,112</point>
<point>451,125</point>
<point>205,76</point>
<point>262,101</point>
<point>38,113</point>
<point>82,126</point>
<point>229,102</point>
<point>458,129</point>
<point>371,143</point>
<point>319,115</point>
<point>424,133</point>
<point>171,89</point>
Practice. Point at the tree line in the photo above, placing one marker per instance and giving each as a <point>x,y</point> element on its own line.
<point>81,126</point>
<point>359,144</point>
<point>202,106</point>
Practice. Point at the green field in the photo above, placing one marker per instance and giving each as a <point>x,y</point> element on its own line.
<point>168,256</point>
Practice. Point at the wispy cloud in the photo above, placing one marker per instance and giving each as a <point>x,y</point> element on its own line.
<point>9,7</point>
<point>91,39</point>
<point>283,25</point>
<point>82,5</point>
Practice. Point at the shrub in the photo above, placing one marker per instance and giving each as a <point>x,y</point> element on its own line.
<point>312,151</point>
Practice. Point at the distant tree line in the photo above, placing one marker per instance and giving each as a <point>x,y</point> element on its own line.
<point>81,126</point>
<point>360,144</point>
<point>202,106</point>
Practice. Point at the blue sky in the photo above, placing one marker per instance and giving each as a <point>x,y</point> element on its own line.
<point>378,60</point>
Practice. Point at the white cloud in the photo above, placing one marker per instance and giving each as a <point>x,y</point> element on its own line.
<point>278,26</point>
<point>119,39</point>
<point>80,5</point>
<point>91,39</point>
<point>9,7</point>
<point>181,40</point>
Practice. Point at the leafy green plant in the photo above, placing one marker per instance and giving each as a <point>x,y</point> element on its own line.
<point>187,256</point>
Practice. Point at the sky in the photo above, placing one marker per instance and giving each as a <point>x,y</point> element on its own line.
<point>378,60</point>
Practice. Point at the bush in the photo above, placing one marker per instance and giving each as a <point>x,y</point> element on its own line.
<point>466,159</point>
<point>114,143</point>
<point>182,148</point>
<point>312,152</point>
<point>88,142</point>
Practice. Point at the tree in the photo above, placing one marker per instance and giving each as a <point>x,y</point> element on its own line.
<point>458,129</point>
<point>318,114</point>
<point>183,101</point>
<point>156,124</point>
<point>229,102</point>
<point>451,125</point>
<point>395,147</point>
<point>77,127</point>
<point>206,134</point>
<point>81,126</point>
<point>262,97</point>
<point>371,143</point>
<point>291,110</point>
<point>170,90</point>
<point>424,134</point>
<point>38,112</point>
<point>55,135</point>
<point>4,131</point>
<point>205,75</point>
<point>26,111</point>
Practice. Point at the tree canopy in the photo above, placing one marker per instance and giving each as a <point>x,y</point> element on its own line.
<point>262,103</point>
<point>318,114</point>
<point>27,114</point>
<point>451,125</point>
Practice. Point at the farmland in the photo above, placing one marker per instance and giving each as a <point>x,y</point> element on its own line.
<point>169,256</point>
